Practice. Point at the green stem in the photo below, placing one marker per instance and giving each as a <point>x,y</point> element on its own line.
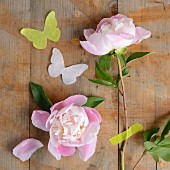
<point>123,146</point>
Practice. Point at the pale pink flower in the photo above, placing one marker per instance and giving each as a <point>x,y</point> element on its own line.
<point>112,33</point>
<point>70,126</point>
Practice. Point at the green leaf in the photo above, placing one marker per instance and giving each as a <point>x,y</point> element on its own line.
<point>126,134</point>
<point>158,139</point>
<point>105,62</point>
<point>125,71</point>
<point>93,101</point>
<point>103,82</point>
<point>122,59</point>
<point>166,129</point>
<point>165,142</point>
<point>40,97</point>
<point>155,156</point>
<point>149,133</point>
<point>149,145</point>
<point>162,152</point>
<point>136,55</point>
<point>103,75</point>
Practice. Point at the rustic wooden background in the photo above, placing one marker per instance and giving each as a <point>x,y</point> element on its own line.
<point>148,88</point>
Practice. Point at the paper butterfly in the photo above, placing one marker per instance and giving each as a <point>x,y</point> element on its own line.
<point>69,74</point>
<point>39,38</point>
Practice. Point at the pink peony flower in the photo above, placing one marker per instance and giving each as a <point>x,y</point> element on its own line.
<point>70,126</point>
<point>113,33</point>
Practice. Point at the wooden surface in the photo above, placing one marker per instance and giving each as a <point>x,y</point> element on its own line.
<point>148,88</point>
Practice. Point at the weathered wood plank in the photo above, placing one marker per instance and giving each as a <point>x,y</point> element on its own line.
<point>73,17</point>
<point>148,88</point>
<point>15,75</point>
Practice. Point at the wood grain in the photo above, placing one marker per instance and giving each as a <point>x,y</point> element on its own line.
<point>148,88</point>
<point>15,75</point>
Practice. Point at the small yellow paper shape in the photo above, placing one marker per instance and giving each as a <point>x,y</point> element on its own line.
<point>126,134</point>
<point>39,38</point>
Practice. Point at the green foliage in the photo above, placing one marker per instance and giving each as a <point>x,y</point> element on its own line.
<point>150,133</point>
<point>103,82</point>
<point>94,101</point>
<point>103,75</point>
<point>136,55</point>
<point>101,72</point>
<point>122,59</point>
<point>158,146</point>
<point>105,62</point>
<point>40,97</point>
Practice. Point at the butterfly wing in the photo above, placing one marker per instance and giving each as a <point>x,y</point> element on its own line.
<point>57,63</point>
<point>70,74</point>
<point>38,38</point>
<point>50,30</point>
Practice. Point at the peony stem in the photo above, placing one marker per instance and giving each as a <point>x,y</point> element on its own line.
<point>123,146</point>
<point>139,160</point>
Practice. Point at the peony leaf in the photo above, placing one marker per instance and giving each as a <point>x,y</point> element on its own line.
<point>105,62</point>
<point>136,55</point>
<point>155,157</point>
<point>149,145</point>
<point>162,152</point>
<point>149,133</point>
<point>126,134</point>
<point>40,97</point>
<point>103,75</point>
<point>93,101</point>
<point>166,129</point>
<point>103,82</point>
<point>122,59</point>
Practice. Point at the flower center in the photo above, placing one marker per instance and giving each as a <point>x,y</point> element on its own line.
<point>70,125</point>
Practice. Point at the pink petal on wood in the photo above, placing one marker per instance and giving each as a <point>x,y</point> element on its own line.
<point>26,148</point>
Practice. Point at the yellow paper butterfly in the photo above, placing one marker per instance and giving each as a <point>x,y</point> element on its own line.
<point>39,38</point>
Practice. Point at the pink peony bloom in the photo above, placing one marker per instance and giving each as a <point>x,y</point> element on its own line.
<point>113,33</point>
<point>70,126</point>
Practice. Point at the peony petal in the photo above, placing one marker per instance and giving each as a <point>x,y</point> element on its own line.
<point>78,100</point>
<point>53,150</point>
<point>141,34</point>
<point>26,148</point>
<point>103,21</point>
<point>58,106</point>
<point>92,114</point>
<point>118,41</point>
<point>86,151</point>
<point>88,32</point>
<point>39,119</point>
<point>64,110</point>
<point>88,46</point>
<point>48,124</point>
<point>66,151</point>
<point>118,16</point>
<point>90,133</point>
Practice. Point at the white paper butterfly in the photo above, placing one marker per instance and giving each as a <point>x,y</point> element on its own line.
<point>69,74</point>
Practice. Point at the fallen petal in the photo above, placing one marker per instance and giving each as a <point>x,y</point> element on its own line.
<point>26,148</point>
